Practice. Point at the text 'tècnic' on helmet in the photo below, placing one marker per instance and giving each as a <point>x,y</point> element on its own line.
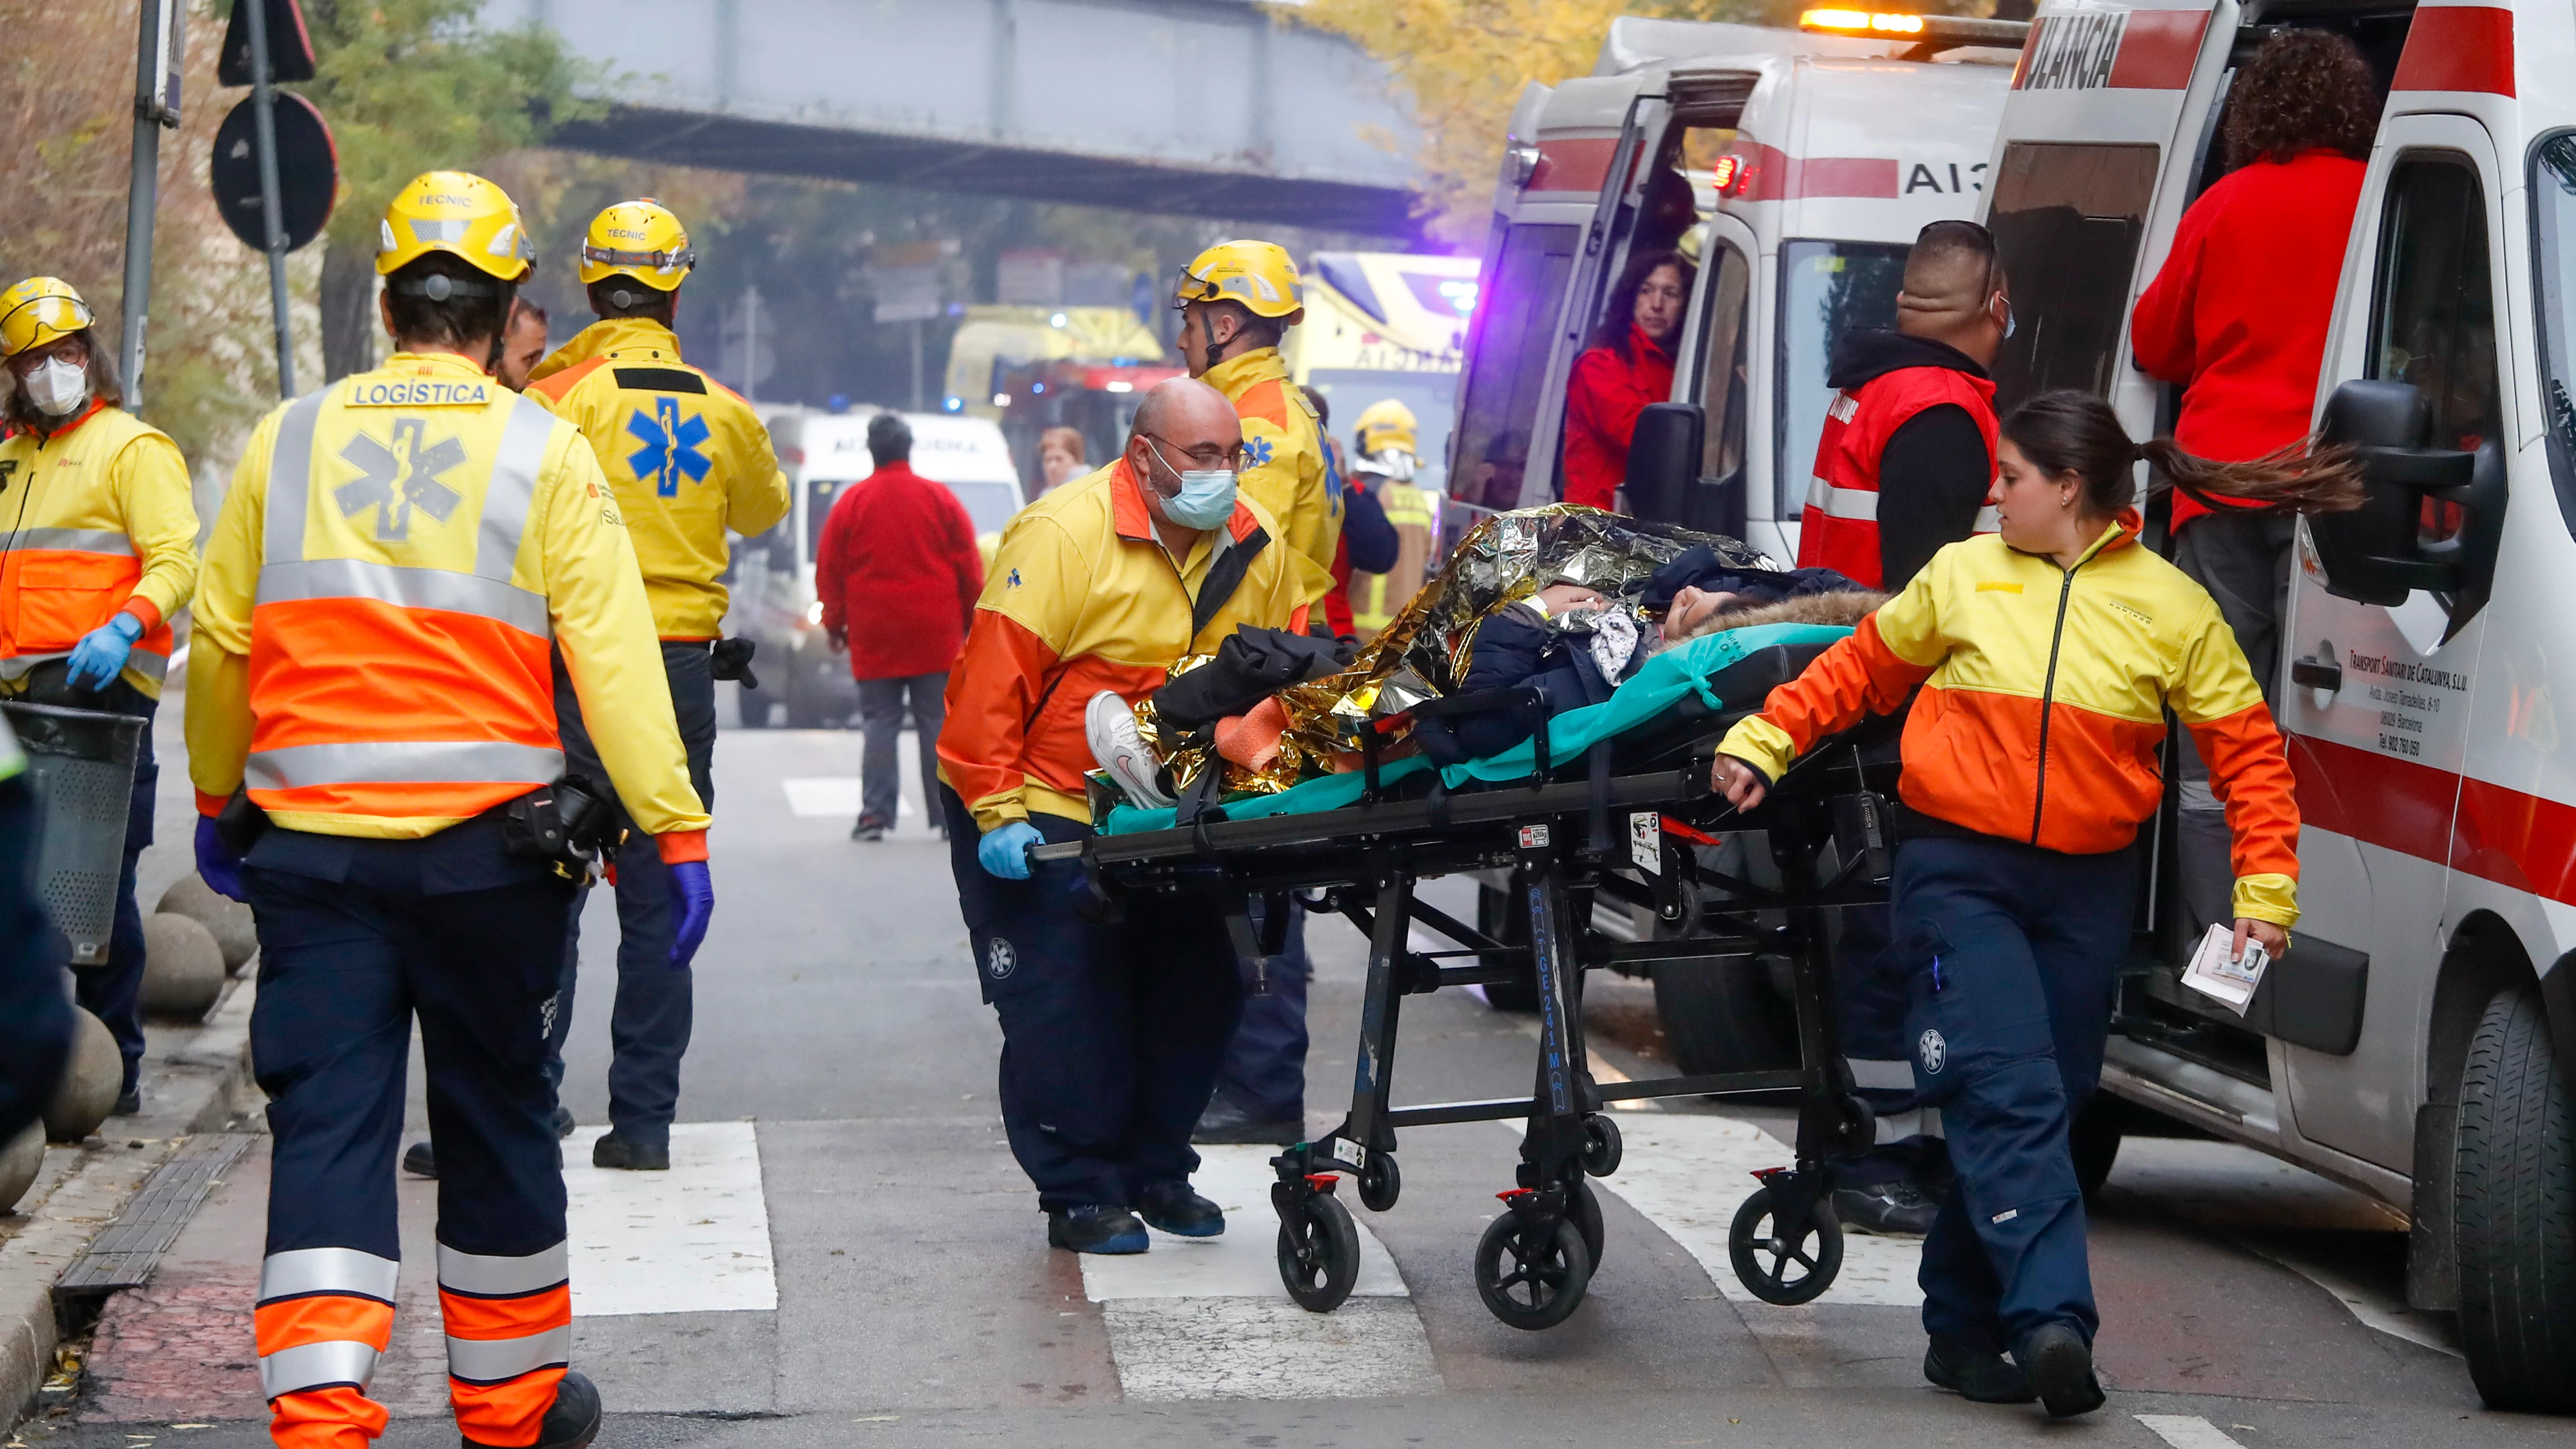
<point>639,239</point>
<point>461,215</point>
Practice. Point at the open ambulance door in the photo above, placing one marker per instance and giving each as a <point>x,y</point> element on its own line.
<point>1714,374</point>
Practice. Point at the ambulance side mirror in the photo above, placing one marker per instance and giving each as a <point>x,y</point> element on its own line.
<point>2378,553</point>
<point>1663,458</point>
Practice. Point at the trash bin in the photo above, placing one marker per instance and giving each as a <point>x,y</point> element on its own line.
<point>81,765</point>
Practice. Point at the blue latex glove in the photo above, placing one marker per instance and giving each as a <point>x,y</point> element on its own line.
<point>101,652</point>
<point>217,862</point>
<point>693,901</point>
<point>1004,849</point>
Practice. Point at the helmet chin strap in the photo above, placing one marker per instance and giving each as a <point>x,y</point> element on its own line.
<point>1215,349</point>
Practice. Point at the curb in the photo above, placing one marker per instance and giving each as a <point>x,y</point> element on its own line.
<point>188,1089</point>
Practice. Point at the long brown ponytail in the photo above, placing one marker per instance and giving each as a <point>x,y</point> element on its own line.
<point>2075,432</point>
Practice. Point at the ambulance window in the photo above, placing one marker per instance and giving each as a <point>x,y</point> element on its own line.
<point>1724,379</point>
<point>2553,225</point>
<point>2067,217</point>
<point>2432,319</point>
<point>1827,289</point>
<point>1515,320</point>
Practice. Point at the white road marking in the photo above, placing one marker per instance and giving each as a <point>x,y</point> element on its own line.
<point>1207,1318</point>
<point>1689,1172</point>
<point>2369,1306</point>
<point>2187,1431</point>
<point>694,1239</point>
<point>832,795</point>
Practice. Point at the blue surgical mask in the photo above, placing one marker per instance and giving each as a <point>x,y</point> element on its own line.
<point>1206,499</point>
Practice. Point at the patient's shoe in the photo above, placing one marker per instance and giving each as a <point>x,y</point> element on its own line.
<point>1110,725</point>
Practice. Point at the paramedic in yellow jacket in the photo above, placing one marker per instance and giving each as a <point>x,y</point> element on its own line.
<point>404,557</point>
<point>688,461</point>
<point>98,543</point>
<point>1236,300</point>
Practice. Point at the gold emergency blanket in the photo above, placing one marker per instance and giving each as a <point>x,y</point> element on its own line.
<point>1426,650</point>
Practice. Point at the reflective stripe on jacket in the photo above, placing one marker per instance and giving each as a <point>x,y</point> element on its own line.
<point>1083,597</point>
<point>95,520</point>
<point>399,554</point>
<point>1289,476</point>
<point>686,455</point>
<point>1377,598</point>
<point>2041,717</point>
<point>1838,529</point>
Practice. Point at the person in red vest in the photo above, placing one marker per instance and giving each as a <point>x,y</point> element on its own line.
<point>1629,365</point>
<point>1916,409</point>
<point>898,576</point>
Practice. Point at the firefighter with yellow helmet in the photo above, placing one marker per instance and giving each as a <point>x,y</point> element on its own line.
<point>98,539</point>
<point>1387,455</point>
<point>688,461</point>
<point>1237,299</point>
<point>372,735</point>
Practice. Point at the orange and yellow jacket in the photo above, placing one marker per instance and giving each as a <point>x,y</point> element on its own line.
<point>2042,713</point>
<point>1083,597</point>
<point>1288,476</point>
<point>95,520</point>
<point>399,557</point>
<point>686,455</point>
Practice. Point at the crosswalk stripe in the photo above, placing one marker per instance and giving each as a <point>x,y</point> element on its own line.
<point>2187,1431</point>
<point>1207,1318</point>
<point>831,795</point>
<point>694,1239</point>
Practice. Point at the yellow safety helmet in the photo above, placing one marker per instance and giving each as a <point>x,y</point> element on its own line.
<point>639,239</point>
<point>40,310</point>
<point>1387,424</point>
<point>460,214</point>
<point>1257,274</point>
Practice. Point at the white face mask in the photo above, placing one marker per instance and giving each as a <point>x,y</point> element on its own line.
<point>56,387</point>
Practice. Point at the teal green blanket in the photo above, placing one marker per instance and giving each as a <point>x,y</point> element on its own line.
<point>1665,679</point>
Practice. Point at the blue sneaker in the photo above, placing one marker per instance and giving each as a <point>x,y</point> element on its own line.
<point>1096,1227</point>
<point>1172,1207</point>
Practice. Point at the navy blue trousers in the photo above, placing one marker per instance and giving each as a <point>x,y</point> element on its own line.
<point>648,1026</point>
<point>357,937</point>
<point>2012,955</point>
<point>1265,1065</point>
<point>1111,1033</point>
<point>1870,1010</point>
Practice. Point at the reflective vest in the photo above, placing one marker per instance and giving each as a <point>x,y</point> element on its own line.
<point>1839,528</point>
<point>95,519</point>
<point>1377,598</point>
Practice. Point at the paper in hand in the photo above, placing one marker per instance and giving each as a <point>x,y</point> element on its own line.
<point>2217,973</point>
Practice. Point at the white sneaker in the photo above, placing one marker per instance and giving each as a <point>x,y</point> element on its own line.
<point>1110,725</point>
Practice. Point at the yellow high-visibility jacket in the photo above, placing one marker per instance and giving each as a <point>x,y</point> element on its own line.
<point>1288,476</point>
<point>399,556</point>
<point>687,456</point>
<point>95,520</point>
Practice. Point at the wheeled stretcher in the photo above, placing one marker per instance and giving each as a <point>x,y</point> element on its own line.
<point>1610,801</point>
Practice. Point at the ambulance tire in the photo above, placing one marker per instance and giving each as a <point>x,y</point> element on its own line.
<point>1498,921</point>
<point>2514,1211</point>
<point>1724,1014</point>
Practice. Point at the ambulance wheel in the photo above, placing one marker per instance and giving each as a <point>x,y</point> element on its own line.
<point>1319,1251</point>
<point>1381,1182</point>
<point>1583,1209</point>
<point>1802,1258</point>
<point>2513,1185</point>
<point>1530,1277</point>
<point>1601,1146</point>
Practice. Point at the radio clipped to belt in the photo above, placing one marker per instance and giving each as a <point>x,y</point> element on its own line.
<point>567,824</point>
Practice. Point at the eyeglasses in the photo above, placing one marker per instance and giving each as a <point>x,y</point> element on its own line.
<point>1210,455</point>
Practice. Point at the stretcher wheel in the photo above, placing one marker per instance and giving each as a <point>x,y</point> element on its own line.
<point>1583,1209</point>
<point>1531,1277</point>
<point>1381,1182</point>
<point>1601,1147</point>
<point>1319,1251</point>
<point>1803,1257</point>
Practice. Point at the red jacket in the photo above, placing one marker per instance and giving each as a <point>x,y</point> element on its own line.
<point>899,569</point>
<point>2238,314</point>
<point>1602,401</point>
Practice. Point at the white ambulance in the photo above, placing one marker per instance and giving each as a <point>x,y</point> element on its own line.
<point>1811,159</point>
<point>2418,1041</point>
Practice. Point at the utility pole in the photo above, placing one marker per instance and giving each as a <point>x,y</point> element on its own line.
<point>263,97</point>
<point>161,42</point>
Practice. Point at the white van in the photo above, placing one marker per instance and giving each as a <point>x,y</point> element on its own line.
<point>1814,159</point>
<point>773,574</point>
<point>2417,1043</point>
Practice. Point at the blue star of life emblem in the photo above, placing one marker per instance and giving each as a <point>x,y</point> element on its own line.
<point>1258,450</point>
<point>671,444</point>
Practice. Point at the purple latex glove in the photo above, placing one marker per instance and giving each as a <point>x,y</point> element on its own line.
<point>693,901</point>
<point>220,865</point>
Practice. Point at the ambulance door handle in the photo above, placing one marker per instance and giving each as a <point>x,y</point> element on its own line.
<point>2317,674</point>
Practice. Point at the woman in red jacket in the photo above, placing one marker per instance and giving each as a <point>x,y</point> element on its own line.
<point>1629,365</point>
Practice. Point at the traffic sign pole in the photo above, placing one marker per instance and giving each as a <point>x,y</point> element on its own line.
<point>263,100</point>
<point>156,66</point>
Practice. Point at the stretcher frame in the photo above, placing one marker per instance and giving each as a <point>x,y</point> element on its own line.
<point>1626,822</point>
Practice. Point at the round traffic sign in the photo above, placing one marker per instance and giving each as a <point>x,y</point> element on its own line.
<point>308,172</point>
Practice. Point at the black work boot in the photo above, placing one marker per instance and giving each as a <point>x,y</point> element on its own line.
<point>619,1151</point>
<point>1225,1122</point>
<point>1096,1227</point>
<point>2060,1365</point>
<point>420,1160</point>
<point>1979,1375</point>
<point>572,1420</point>
<point>1174,1208</point>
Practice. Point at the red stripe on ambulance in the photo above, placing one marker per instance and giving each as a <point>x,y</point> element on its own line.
<point>2458,48</point>
<point>1772,175</point>
<point>2493,832</point>
<point>1574,163</point>
<point>2159,50</point>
